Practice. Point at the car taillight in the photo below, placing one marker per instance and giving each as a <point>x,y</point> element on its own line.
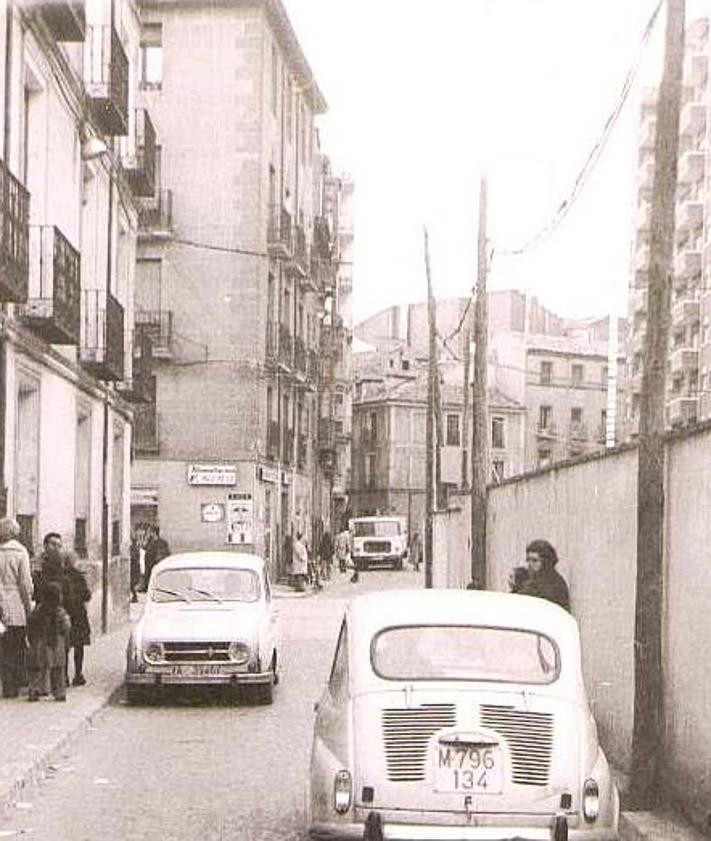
<point>342,791</point>
<point>591,800</point>
<point>153,652</point>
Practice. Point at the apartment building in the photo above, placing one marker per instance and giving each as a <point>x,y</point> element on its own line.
<point>70,173</point>
<point>389,437</point>
<point>689,355</point>
<point>236,277</point>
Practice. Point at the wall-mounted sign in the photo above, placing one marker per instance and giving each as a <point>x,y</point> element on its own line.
<point>212,474</point>
<point>144,496</point>
<point>240,516</point>
<point>212,512</point>
<point>269,474</point>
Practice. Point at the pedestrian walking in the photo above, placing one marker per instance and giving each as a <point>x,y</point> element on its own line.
<point>416,551</point>
<point>48,629</point>
<point>543,580</point>
<point>157,548</point>
<point>325,553</point>
<point>15,607</point>
<point>342,549</point>
<point>299,563</point>
<point>77,595</point>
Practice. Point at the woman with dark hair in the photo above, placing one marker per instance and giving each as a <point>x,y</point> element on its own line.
<point>543,580</point>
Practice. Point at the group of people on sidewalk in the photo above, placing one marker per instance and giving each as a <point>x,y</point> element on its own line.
<point>309,568</point>
<point>42,617</point>
<point>147,549</point>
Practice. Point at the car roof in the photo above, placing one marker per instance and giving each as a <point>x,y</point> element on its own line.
<point>229,560</point>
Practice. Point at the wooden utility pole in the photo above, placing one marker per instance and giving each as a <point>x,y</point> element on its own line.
<point>480,425</point>
<point>648,739</point>
<point>467,407</point>
<point>432,455</point>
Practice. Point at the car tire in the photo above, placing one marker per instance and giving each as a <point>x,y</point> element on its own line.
<point>138,695</point>
<point>398,564</point>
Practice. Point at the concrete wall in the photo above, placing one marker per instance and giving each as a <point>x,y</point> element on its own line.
<point>587,509</point>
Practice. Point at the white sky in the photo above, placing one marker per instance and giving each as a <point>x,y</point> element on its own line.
<point>422,96</point>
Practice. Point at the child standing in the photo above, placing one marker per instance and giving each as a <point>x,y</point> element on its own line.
<point>47,630</point>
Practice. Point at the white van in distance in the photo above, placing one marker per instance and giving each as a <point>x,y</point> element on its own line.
<point>378,541</point>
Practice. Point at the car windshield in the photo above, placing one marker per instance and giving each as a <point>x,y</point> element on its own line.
<point>213,584</point>
<point>463,652</point>
<point>376,528</point>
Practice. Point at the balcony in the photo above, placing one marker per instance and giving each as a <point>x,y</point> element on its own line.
<point>155,215</point>
<point>287,454</point>
<point>577,431</point>
<point>705,406</point>
<point>14,238</point>
<point>286,346</point>
<point>133,390</point>
<point>546,430</point>
<point>301,451</point>
<point>695,70</point>
<point>683,360</point>
<point>280,234</point>
<point>146,430</point>
<point>685,311</point>
<point>273,440</point>
<point>682,410</point>
<point>140,162</point>
<point>689,220</point>
<point>53,308</point>
<point>155,326</point>
<point>301,261</point>
<point>272,340</point>
<point>106,79</point>
<point>299,356</point>
<point>687,264</point>
<point>691,167</point>
<point>692,120</point>
<point>312,365</point>
<point>65,19</point>
<point>102,345</point>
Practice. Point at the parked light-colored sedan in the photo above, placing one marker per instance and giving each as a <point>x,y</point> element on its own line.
<point>208,620</point>
<point>458,715</point>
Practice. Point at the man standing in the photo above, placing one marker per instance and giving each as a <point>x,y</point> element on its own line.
<point>15,606</point>
<point>156,549</point>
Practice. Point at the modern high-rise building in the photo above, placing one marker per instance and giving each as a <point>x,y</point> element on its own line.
<point>689,353</point>
<point>237,285</point>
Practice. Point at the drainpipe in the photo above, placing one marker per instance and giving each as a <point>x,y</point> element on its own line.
<point>105,543</point>
<point>3,339</point>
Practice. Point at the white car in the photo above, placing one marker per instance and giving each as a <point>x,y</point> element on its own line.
<point>454,714</point>
<point>209,620</point>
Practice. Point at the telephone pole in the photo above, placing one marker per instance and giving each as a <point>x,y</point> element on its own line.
<point>432,466</point>
<point>466,410</point>
<point>648,736</point>
<point>480,440</point>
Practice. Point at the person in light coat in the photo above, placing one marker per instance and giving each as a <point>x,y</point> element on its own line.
<point>15,607</point>
<point>299,562</point>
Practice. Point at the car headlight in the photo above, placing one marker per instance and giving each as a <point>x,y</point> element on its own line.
<point>154,652</point>
<point>591,800</point>
<point>342,791</point>
<point>238,652</point>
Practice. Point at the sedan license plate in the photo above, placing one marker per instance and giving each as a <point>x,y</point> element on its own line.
<point>195,669</point>
<point>466,768</point>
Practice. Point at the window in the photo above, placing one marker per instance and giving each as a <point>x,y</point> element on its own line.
<point>497,433</point>
<point>117,488</point>
<point>82,479</point>
<point>545,417</point>
<point>151,55</point>
<point>576,374</point>
<point>373,429</point>
<point>497,470</point>
<point>544,457</point>
<point>338,681</point>
<point>370,470</point>
<point>453,439</point>
<point>605,374</point>
<point>576,415</point>
<point>546,373</point>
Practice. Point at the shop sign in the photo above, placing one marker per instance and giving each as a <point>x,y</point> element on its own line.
<point>269,474</point>
<point>240,518</point>
<point>212,512</point>
<point>212,474</point>
<point>144,496</point>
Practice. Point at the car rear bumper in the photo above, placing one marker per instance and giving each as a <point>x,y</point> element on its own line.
<point>166,679</point>
<point>420,832</point>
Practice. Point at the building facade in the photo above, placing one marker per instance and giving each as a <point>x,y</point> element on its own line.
<point>69,182</point>
<point>689,352</point>
<point>236,263</point>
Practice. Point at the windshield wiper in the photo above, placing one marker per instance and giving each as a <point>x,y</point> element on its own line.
<point>206,593</point>
<point>181,596</point>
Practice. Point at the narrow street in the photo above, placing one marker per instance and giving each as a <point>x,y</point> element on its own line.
<point>207,769</point>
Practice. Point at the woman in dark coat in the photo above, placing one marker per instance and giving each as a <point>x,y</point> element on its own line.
<point>76,596</point>
<point>543,580</point>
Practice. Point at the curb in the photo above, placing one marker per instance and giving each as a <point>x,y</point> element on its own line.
<point>657,826</point>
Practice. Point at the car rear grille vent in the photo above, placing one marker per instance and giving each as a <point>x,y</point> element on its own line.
<point>376,545</point>
<point>529,736</point>
<point>196,652</point>
<point>407,732</point>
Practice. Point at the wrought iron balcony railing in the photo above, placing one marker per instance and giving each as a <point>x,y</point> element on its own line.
<point>280,234</point>
<point>299,355</point>
<point>14,238</point>
<point>272,439</point>
<point>287,454</point>
<point>106,79</point>
<point>155,326</point>
<point>146,426</point>
<point>301,261</point>
<point>140,158</point>
<point>155,215</point>
<point>286,345</point>
<point>578,431</point>
<point>312,365</point>
<point>272,340</point>
<point>301,450</point>
<point>102,345</point>
<point>53,308</point>
<point>65,19</point>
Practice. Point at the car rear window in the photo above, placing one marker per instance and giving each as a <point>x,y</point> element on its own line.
<point>464,652</point>
<point>213,584</point>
